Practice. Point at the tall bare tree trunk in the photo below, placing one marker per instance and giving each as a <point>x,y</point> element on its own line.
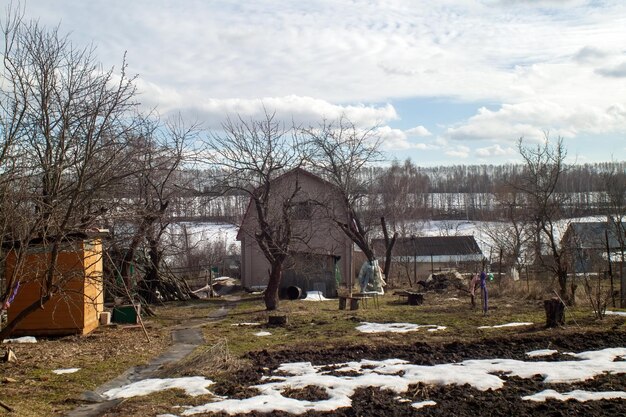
<point>389,244</point>
<point>271,292</point>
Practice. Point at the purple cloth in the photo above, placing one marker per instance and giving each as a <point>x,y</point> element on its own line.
<point>483,286</point>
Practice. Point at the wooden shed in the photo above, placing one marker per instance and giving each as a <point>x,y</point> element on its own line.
<point>421,256</point>
<point>76,306</point>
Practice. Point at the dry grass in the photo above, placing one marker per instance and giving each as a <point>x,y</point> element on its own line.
<point>108,352</point>
<point>325,325</point>
<point>101,356</point>
<point>208,360</point>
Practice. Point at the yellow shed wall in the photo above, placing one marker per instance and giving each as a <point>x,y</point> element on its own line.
<point>75,309</point>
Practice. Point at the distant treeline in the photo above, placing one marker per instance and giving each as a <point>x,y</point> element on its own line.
<point>457,191</point>
<point>488,178</point>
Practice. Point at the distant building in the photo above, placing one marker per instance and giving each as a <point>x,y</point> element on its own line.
<point>586,246</point>
<point>419,256</point>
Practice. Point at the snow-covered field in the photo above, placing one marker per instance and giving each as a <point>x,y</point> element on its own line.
<point>206,232</point>
<point>210,232</point>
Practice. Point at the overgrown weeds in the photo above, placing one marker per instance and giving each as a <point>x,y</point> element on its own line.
<point>212,361</point>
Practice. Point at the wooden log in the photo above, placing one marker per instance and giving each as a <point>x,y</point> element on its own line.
<point>555,312</point>
<point>277,320</point>
<point>354,304</point>
<point>342,303</point>
<point>6,407</point>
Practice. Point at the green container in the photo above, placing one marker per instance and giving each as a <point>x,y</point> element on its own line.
<point>125,314</point>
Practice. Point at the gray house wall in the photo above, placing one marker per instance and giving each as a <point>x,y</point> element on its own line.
<point>318,234</point>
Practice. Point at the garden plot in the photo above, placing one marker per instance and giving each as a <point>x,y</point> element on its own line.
<point>337,384</point>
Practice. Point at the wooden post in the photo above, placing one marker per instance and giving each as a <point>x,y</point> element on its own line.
<point>354,304</point>
<point>342,303</point>
<point>608,256</point>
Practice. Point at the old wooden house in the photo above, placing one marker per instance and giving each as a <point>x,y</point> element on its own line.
<point>320,254</point>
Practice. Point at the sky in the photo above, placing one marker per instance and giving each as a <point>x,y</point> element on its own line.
<point>441,82</point>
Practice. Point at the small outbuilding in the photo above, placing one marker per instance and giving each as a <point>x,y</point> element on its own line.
<point>419,256</point>
<point>78,298</point>
<point>588,245</point>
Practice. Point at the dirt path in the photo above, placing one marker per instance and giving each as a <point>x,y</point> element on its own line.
<point>185,339</point>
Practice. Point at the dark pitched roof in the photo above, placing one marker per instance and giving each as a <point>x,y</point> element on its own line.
<point>432,245</point>
<point>593,234</point>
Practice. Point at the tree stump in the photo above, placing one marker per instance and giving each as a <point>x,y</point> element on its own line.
<point>277,320</point>
<point>342,303</point>
<point>555,312</point>
<point>354,304</point>
<point>9,356</point>
<point>415,299</point>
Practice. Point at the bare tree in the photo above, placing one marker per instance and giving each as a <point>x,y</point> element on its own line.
<point>400,192</point>
<point>340,152</point>
<point>615,183</point>
<point>510,235</point>
<point>252,155</point>
<point>544,165</point>
<point>158,153</point>
<point>67,120</point>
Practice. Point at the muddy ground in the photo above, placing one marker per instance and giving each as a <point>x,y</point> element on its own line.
<point>451,400</point>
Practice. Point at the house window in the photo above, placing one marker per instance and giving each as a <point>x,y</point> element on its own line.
<point>302,210</point>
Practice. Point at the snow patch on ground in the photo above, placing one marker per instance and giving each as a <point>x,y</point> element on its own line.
<point>396,375</point>
<point>615,313</point>
<point>423,404</point>
<point>246,324</point>
<point>498,326</point>
<point>25,339</point>
<point>315,296</point>
<point>578,395</point>
<point>541,352</point>
<point>193,386</point>
<point>366,327</point>
<point>261,334</point>
<point>66,371</point>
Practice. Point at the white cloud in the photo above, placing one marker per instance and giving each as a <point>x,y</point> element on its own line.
<point>418,131</point>
<point>458,152</point>
<point>617,71</point>
<point>494,151</point>
<point>396,139</point>
<point>323,49</point>
<point>296,109</point>
<point>541,65</point>
<point>532,120</point>
<point>590,54</point>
